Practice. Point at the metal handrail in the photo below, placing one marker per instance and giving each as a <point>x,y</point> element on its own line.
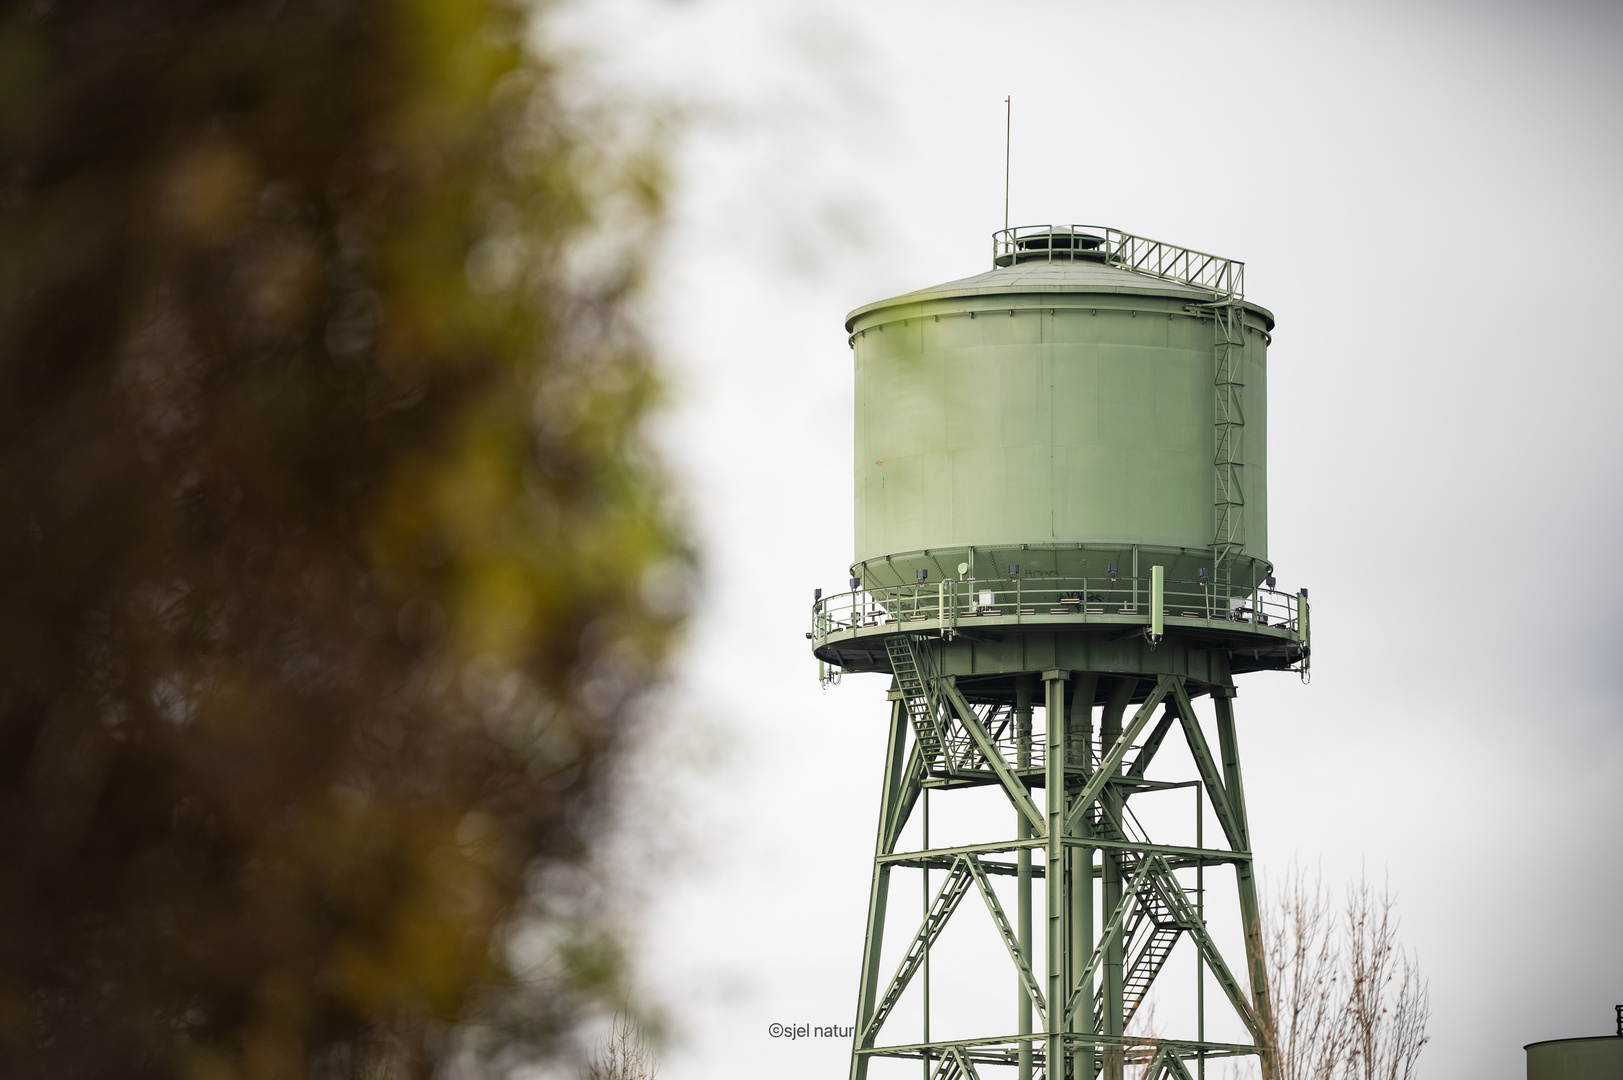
<point>1101,243</point>
<point>961,603</point>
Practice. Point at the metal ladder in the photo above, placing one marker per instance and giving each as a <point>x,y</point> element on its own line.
<point>921,705</point>
<point>1228,494</point>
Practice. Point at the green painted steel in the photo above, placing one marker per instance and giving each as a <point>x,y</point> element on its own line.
<point>1061,560</point>
<point>1158,601</point>
<point>1045,406</point>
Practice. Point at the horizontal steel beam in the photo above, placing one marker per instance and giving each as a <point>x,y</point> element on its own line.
<point>943,857</point>
<point>1001,869</point>
<point>1198,854</point>
<point>995,848</point>
<point>1035,775</point>
<point>1073,1040</point>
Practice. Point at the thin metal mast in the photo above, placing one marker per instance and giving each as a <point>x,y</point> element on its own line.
<point>1008,143</point>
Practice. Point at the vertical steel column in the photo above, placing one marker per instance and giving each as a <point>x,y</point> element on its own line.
<point>1022,734</point>
<point>924,913</point>
<point>1080,735</point>
<point>879,887</point>
<point>1057,908</point>
<point>1250,912</point>
<point>1121,695</point>
<point>1200,914</point>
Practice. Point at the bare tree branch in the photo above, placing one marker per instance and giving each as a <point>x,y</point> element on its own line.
<point>1349,1000</point>
<point>1305,980</point>
<point>1387,1004</point>
<point>624,1055</point>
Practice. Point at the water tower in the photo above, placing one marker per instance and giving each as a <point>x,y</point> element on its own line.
<point>1062,563</point>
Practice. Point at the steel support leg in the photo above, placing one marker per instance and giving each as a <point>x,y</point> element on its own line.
<point>1250,912</point>
<point>879,889</point>
<point>1079,732</point>
<point>1057,909</point>
<point>1022,728</point>
<point>1111,1022</point>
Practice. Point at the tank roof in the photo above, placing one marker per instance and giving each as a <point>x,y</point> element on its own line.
<point>1089,259</point>
<point>1078,276</point>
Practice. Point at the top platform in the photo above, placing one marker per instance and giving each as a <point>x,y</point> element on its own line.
<point>1263,629</point>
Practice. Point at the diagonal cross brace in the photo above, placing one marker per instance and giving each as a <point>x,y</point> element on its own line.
<point>1010,941</point>
<point>1209,773</point>
<point>956,1064</point>
<point>1112,761</point>
<point>966,1064</point>
<point>912,784</point>
<point>941,909</point>
<point>1146,753</point>
<point>1012,785</point>
<point>1169,1064</point>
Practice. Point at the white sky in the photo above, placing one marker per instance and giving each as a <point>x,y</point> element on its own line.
<point>1427,197</point>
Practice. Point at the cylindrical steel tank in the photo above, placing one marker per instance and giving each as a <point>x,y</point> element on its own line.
<point>1599,1058</point>
<point>1056,412</point>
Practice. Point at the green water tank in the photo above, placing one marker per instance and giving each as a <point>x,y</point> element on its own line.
<point>1599,1058</point>
<point>1068,410</point>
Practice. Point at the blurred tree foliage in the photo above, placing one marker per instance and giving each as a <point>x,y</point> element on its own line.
<point>334,564</point>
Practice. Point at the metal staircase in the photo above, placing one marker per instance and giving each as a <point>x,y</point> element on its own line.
<point>922,708</point>
<point>1161,906</point>
<point>1152,955</point>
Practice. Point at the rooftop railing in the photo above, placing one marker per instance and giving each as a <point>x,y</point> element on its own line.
<point>1101,243</point>
<point>947,607</point>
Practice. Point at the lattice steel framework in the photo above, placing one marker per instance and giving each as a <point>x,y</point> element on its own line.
<point>1070,787</point>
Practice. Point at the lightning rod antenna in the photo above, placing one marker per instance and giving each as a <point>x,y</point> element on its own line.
<point>1008,142</point>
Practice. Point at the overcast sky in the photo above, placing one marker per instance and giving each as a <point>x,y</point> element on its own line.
<point>1428,199</point>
